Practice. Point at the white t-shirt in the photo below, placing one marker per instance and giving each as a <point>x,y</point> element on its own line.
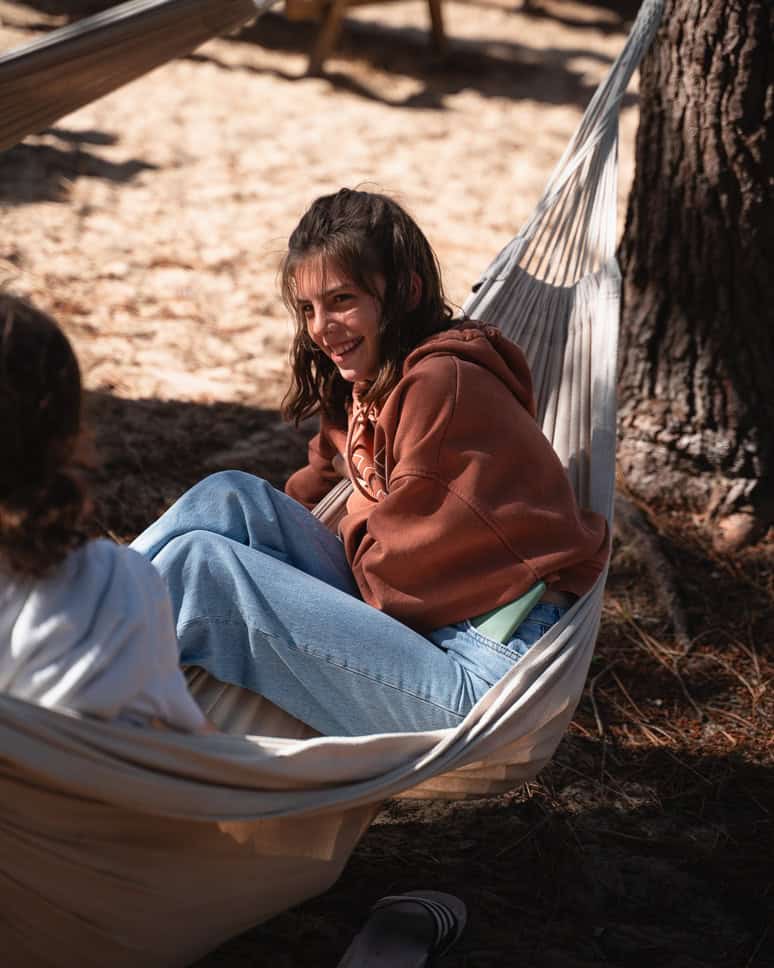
<point>96,637</point>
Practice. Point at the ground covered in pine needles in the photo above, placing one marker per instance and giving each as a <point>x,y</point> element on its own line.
<point>150,225</point>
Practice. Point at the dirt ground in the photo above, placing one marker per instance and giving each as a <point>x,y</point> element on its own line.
<point>150,224</point>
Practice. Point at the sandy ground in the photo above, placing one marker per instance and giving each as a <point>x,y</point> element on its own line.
<point>158,237</point>
<point>151,224</point>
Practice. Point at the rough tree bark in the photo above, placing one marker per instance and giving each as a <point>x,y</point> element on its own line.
<point>696,383</point>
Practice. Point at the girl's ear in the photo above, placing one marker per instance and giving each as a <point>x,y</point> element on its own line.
<point>415,291</point>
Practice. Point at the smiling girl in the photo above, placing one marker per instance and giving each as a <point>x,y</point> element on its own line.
<point>460,508</point>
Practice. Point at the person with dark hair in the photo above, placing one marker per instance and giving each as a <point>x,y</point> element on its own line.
<point>462,542</point>
<point>85,626</point>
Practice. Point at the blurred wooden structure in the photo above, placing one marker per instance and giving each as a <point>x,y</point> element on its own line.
<point>332,12</point>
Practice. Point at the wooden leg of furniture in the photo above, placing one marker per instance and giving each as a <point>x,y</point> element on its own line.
<point>326,38</point>
<point>436,20</point>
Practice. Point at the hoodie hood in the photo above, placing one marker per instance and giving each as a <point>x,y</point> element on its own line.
<point>485,346</point>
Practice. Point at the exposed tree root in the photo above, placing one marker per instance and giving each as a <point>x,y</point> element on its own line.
<point>739,530</point>
<point>637,530</point>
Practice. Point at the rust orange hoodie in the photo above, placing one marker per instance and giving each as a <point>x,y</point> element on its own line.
<point>474,506</point>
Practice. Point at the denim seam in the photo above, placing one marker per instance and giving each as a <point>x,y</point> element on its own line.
<point>498,647</point>
<point>320,657</point>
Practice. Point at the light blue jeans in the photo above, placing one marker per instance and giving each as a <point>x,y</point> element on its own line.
<point>263,597</point>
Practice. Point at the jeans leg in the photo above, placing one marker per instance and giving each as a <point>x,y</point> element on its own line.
<point>264,598</point>
<point>250,511</point>
<point>317,652</point>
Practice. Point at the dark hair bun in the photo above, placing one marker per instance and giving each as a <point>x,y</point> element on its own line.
<point>42,499</point>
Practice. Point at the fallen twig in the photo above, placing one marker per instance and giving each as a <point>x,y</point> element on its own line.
<point>650,645</point>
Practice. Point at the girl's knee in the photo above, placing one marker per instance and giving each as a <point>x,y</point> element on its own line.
<point>232,481</point>
<point>235,493</point>
<point>187,553</point>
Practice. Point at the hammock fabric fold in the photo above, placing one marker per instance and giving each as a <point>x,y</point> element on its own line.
<point>127,846</point>
<point>45,80</point>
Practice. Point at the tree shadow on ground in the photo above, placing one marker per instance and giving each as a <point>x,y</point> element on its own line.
<point>667,865</point>
<point>150,451</point>
<point>622,14</point>
<point>494,68</point>
<point>44,172</point>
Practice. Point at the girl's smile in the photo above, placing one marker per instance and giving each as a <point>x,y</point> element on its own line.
<point>341,318</point>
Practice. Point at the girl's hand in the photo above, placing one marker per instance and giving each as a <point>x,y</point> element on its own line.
<point>340,465</point>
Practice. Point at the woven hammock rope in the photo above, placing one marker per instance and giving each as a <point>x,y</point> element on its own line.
<point>112,837</point>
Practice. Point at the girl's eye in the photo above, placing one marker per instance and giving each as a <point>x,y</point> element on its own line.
<point>306,310</point>
<point>342,297</point>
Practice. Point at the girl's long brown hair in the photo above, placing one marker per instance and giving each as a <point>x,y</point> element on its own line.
<point>364,234</point>
<point>42,498</point>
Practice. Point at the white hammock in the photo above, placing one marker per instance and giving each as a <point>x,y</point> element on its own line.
<point>131,847</point>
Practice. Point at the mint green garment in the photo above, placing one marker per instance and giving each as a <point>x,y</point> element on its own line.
<point>502,622</point>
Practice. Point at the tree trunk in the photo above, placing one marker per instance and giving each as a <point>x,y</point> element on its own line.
<point>697,364</point>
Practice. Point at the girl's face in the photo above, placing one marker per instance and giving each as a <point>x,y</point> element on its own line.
<point>341,318</point>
